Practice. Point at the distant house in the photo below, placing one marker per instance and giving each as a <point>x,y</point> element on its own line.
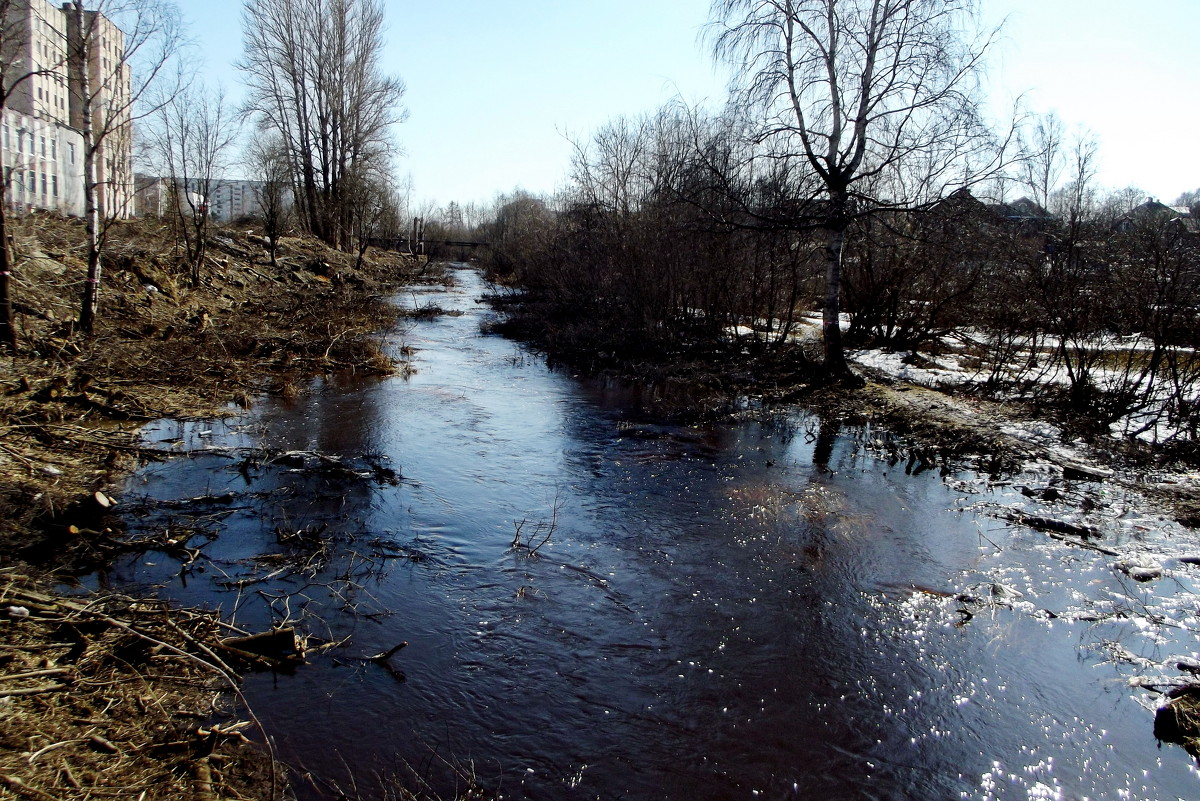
<point>1027,216</point>
<point>1152,211</point>
<point>150,195</point>
<point>962,203</point>
<point>228,201</point>
<point>1187,226</point>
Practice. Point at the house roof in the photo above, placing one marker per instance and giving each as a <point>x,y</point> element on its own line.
<point>1023,209</point>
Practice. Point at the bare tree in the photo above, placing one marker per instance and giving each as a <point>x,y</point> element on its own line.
<point>519,227</point>
<point>1076,201</point>
<point>373,210</point>
<point>313,73</point>
<point>271,170</point>
<point>194,134</point>
<point>876,96</point>
<point>1121,204</point>
<point>121,50</point>
<point>1190,201</point>
<point>1064,281</point>
<point>1046,158</point>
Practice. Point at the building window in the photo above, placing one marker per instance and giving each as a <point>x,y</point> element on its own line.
<point>43,145</point>
<point>54,149</point>
<point>43,184</point>
<point>71,145</point>
<point>54,184</point>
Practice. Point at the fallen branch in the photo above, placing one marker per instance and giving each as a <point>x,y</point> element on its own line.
<point>43,688</point>
<point>382,659</point>
<point>1051,525</point>
<point>204,788</point>
<point>252,580</point>
<point>388,654</point>
<point>24,790</point>
<point>1071,533</point>
<point>1082,544</point>
<point>30,674</point>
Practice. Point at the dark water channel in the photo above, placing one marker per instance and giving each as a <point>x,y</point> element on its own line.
<point>742,610</point>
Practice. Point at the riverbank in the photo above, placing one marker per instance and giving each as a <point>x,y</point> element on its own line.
<point>108,694</point>
<point>937,416</point>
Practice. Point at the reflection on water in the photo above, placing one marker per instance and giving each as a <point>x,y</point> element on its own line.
<point>739,610</point>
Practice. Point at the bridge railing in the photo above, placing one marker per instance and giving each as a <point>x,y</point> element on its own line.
<point>419,246</point>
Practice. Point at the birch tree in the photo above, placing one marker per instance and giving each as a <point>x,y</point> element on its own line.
<point>877,97</point>
<point>1046,160</point>
<point>313,74</point>
<point>128,47</point>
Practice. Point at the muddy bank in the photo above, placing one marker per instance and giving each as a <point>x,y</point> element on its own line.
<point>942,428</point>
<point>938,428</point>
<point>110,694</point>
<point>70,406</point>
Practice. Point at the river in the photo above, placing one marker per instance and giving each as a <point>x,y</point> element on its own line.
<point>757,608</point>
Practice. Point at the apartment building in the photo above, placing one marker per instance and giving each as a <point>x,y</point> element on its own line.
<point>229,200</point>
<point>233,199</point>
<point>41,142</point>
<point>153,197</point>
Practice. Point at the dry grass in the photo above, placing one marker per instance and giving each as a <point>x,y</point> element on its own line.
<point>70,406</point>
<point>116,697</point>
<point>1178,719</point>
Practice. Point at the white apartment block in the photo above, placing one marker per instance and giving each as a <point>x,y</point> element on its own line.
<point>41,143</point>
<point>232,199</point>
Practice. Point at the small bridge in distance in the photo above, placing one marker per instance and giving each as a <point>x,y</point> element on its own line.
<point>419,246</point>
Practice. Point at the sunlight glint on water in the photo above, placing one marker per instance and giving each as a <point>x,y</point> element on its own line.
<point>714,615</point>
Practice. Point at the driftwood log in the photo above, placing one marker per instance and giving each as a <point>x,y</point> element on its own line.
<point>276,648</point>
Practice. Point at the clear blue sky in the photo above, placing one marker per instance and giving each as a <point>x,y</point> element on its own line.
<point>494,86</point>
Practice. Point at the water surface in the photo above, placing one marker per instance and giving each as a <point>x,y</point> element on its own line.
<point>756,609</point>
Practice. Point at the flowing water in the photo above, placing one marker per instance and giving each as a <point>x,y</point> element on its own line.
<point>758,609</point>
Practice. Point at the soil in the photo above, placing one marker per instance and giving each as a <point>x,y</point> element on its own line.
<point>1178,719</point>
<point>109,696</point>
